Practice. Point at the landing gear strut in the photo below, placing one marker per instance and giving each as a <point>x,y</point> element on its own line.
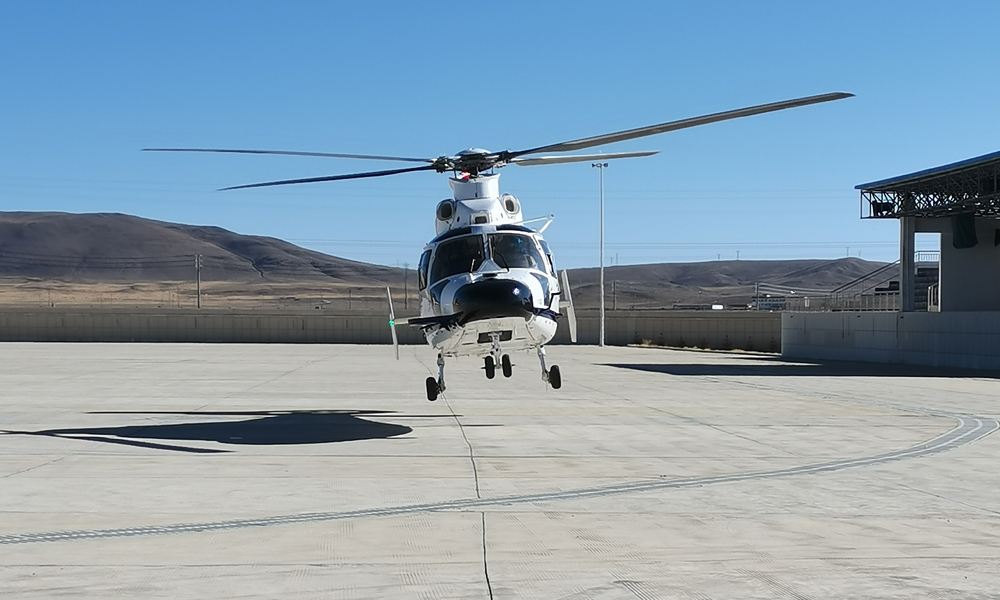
<point>435,387</point>
<point>552,375</point>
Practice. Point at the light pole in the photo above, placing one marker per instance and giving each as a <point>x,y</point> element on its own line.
<point>600,167</point>
<point>406,287</point>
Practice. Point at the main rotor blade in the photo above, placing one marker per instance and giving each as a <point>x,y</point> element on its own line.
<point>610,138</point>
<point>554,160</point>
<point>293,153</point>
<point>331,178</point>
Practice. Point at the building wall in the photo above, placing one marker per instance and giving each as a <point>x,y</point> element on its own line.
<point>722,329</point>
<point>958,339</point>
<point>969,277</point>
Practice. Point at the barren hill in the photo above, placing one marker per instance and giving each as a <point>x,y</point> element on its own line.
<point>134,260</point>
<point>115,247</point>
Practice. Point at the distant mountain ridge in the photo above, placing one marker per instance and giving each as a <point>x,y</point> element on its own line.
<point>727,281</point>
<point>117,247</point>
<point>794,274</point>
<point>107,247</point>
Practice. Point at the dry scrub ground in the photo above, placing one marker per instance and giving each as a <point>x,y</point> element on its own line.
<point>296,295</point>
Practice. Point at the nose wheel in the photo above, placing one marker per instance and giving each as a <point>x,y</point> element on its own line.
<point>490,366</point>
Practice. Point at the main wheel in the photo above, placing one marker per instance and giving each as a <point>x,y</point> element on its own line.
<point>432,389</point>
<point>490,367</point>
<point>506,366</point>
<point>555,379</point>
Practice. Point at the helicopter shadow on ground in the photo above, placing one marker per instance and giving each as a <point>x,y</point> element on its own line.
<point>262,428</point>
<point>758,366</point>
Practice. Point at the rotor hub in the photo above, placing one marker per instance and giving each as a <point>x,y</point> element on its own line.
<point>472,161</point>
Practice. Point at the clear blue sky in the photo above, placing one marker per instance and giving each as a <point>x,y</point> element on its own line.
<point>85,85</point>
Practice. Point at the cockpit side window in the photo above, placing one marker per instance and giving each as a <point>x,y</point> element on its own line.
<point>515,251</point>
<point>425,261</point>
<point>459,255</point>
<point>548,255</point>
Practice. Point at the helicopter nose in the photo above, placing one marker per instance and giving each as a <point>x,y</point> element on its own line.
<point>493,298</point>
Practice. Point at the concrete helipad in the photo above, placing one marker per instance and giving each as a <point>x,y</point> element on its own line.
<point>263,471</point>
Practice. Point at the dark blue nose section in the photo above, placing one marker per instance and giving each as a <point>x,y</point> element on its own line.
<point>493,298</point>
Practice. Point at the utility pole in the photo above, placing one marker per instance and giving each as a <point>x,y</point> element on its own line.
<point>601,167</point>
<point>614,295</point>
<point>197,268</point>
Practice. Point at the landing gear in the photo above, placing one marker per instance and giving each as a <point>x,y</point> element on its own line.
<point>496,357</point>
<point>491,360</point>
<point>436,386</point>
<point>490,366</point>
<point>551,376</point>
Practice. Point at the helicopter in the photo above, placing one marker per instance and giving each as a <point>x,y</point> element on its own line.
<point>488,286</point>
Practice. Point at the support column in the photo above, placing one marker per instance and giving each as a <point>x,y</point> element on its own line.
<point>907,268</point>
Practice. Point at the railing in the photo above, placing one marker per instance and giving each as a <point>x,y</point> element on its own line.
<point>875,291</point>
<point>868,282</point>
<point>867,302</point>
<point>933,299</point>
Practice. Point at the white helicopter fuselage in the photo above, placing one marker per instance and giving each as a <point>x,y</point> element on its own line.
<point>488,285</point>
<point>525,326</point>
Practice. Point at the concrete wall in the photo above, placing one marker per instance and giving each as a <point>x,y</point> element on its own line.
<point>959,339</point>
<point>197,326</point>
<point>704,329</point>
<point>969,277</point>
<point>723,329</point>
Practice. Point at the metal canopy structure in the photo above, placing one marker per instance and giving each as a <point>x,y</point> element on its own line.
<point>965,187</point>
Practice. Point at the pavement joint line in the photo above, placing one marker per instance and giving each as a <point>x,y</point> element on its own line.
<point>970,428</point>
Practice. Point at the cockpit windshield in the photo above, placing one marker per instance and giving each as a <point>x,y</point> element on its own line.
<point>466,254</point>
<point>515,251</point>
<point>460,255</point>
